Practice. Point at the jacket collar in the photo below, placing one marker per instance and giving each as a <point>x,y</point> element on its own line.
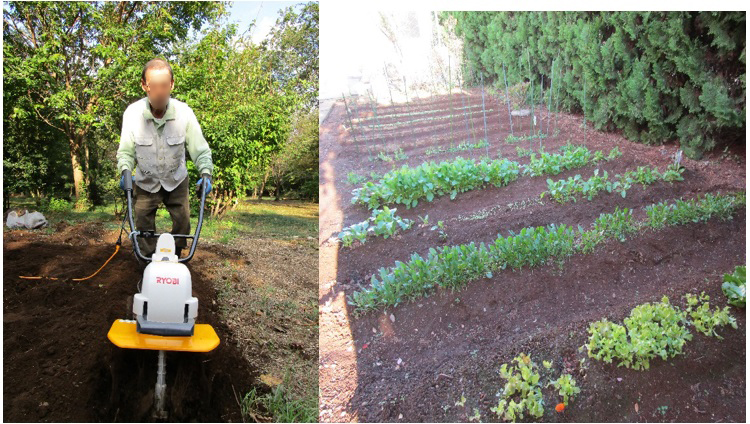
<point>168,115</point>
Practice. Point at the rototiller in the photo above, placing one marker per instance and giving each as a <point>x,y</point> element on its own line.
<point>164,310</point>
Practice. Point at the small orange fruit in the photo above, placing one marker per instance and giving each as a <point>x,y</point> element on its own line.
<point>560,407</point>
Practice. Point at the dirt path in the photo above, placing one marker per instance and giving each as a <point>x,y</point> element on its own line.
<point>414,362</point>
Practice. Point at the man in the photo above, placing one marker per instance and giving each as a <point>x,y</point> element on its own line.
<point>156,130</point>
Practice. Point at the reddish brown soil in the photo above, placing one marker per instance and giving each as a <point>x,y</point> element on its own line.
<point>451,344</point>
<point>59,364</point>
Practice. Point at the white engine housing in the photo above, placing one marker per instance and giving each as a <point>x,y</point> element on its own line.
<point>167,290</point>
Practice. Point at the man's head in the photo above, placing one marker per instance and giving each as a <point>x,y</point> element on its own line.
<point>157,81</point>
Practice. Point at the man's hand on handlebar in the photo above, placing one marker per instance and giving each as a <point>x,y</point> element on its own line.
<point>208,186</point>
<point>122,181</point>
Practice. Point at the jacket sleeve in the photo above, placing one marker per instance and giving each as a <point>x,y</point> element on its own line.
<point>126,151</point>
<point>197,146</point>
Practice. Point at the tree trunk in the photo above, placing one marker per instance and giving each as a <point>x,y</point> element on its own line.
<point>263,184</point>
<point>279,181</point>
<point>75,161</point>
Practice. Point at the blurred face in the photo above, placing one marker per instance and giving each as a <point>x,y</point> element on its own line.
<point>158,87</point>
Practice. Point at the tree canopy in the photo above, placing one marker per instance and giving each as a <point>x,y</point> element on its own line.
<point>71,69</point>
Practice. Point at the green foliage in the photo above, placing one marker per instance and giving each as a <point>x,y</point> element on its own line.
<point>58,205</point>
<point>522,391</point>
<point>616,225</point>
<point>734,287</point>
<point>257,105</point>
<point>281,405</point>
<point>454,266</point>
<point>704,320</point>
<point>566,386</point>
<point>654,75</point>
<point>565,190</point>
<point>700,209</point>
<point>673,173</point>
<point>481,144</point>
<point>524,152</point>
<point>293,50</point>
<point>72,77</point>
<point>441,230</point>
<point>553,163</point>
<point>398,154</point>
<point>409,185</point>
<point>383,223</point>
<point>516,138</point>
<point>652,330</point>
<point>353,178</point>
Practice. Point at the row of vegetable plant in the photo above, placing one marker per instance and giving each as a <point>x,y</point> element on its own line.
<point>454,266</point>
<point>566,190</point>
<point>408,185</point>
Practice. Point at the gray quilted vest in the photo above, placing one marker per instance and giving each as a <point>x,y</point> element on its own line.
<point>160,159</point>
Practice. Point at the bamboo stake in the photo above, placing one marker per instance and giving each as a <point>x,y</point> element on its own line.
<point>507,97</point>
<point>450,97</point>
<point>484,113</point>
<point>557,97</point>
<point>351,124</point>
<point>463,104</point>
<point>541,85</point>
<point>531,80</point>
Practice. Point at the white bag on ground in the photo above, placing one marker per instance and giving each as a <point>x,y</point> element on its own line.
<point>27,220</point>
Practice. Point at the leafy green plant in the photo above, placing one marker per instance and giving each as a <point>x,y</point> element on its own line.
<point>522,391</point>
<point>734,287</point>
<point>515,139</point>
<point>384,157</point>
<point>673,173</point>
<point>562,190</point>
<point>58,205</point>
<point>358,232</point>
<point>383,222</point>
<point>652,330</point>
<point>481,144</point>
<point>645,176</point>
<point>617,225</point>
<point>553,164</point>
<point>700,209</point>
<point>614,153</point>
<point>566,190</point>
<point>525,152</point>
<point>441,230</point>
<point>397,154</point>
<point>462,401</point>
<point>705,320</point>
<point>409,185</point>
<point>566,386</point>
<point>353,178</point>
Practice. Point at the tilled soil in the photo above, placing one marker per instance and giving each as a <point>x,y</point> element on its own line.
<point>415,361</point>
<point>59,364</point>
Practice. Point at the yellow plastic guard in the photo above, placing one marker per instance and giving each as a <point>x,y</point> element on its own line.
<point>123,334</point>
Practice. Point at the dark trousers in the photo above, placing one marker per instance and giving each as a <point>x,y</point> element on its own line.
<point>178,206</point>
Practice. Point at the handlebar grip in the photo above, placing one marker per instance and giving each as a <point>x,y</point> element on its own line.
<point>128,179</point>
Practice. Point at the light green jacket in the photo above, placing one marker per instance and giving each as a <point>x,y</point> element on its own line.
<point>155,148</point>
